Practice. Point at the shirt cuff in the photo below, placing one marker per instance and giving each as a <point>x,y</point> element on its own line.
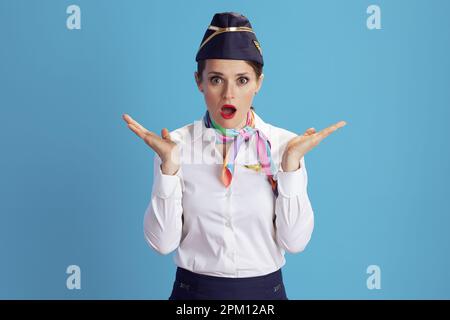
<point>292,183</point>
<point>165,185</point>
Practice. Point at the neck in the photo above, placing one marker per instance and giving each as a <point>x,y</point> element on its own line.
<point>242,125</point>
<point>248,117</point>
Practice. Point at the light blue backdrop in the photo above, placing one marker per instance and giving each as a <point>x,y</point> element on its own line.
<point>75,182</point>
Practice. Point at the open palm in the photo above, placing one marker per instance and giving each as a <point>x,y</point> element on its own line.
<point>302,144</point>
<point>163,146</point>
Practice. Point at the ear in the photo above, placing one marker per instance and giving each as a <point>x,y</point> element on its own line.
<point>198,82</point>
<point>260,81</point>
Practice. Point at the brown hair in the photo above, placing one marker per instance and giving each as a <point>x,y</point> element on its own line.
<point>257,67</point>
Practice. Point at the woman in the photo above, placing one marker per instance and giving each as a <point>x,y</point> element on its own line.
<point>230,190</point>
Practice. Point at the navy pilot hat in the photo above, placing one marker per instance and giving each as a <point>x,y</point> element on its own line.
<point>230,36</point>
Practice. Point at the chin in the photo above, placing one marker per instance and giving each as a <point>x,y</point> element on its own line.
<point>231,123</point>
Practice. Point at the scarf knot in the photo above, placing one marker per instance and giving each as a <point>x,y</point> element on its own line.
<point>236,137</point>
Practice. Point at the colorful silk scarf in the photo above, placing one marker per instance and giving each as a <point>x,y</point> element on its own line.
<point>263,147</point>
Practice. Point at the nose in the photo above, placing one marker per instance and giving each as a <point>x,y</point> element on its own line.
<point>228,93</point>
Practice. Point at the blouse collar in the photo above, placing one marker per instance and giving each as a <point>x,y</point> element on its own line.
<point>259,124</point>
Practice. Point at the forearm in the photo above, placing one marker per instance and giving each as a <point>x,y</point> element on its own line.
<point>163,217</point>
<point>295,218</point>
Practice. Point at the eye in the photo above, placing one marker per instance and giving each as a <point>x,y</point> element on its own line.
<point>243,80</point>
<point>215,80</point>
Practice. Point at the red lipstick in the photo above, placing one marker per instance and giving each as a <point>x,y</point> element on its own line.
<point>228,111</point>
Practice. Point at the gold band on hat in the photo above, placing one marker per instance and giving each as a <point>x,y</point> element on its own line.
<point>218,30</point>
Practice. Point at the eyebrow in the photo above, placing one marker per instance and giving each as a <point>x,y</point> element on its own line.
<point>221,74</point>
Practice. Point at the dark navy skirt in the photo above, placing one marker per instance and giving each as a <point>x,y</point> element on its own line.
<point>193,286</point>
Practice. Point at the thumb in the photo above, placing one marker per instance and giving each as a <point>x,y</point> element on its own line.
<point>309,131</point>
<point>165,134</point>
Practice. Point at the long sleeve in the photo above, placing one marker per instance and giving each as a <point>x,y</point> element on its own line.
<point>163,217</point>
<point>294,214</point>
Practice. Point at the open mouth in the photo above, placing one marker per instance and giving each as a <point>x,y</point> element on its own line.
<point>227,111</point>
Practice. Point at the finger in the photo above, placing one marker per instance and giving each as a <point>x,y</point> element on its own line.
<point>327,131</point>
<point>127,118</point>
<point>130,120</point>
<point>136,130</point>
<point>340,124</point>
<point>148,136</point>
<point>310,131</point>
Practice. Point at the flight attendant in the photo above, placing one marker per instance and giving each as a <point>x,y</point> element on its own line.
<point>230,190</point>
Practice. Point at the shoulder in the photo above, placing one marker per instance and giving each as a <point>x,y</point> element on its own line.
<point>279,138</point>
<point>275,134</point>
<point>278,135</point>
<point>283,133</point>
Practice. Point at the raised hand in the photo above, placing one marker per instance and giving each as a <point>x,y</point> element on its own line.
<point>300,145</point>
<point>166,149</point>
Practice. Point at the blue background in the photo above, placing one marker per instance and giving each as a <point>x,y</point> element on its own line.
<point>75,181</point>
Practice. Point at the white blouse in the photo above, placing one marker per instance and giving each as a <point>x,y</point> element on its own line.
<point>239,231</point>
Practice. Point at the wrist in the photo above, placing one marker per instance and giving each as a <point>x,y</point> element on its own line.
<point>168,168</point>
<point>290,162</point>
